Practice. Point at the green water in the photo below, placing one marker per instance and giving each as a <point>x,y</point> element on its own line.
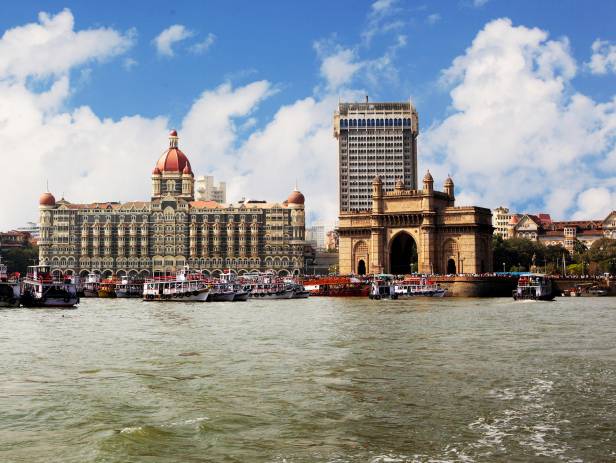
<point>317,380</point>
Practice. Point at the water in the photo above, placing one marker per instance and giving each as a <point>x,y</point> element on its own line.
<point>317,380</point>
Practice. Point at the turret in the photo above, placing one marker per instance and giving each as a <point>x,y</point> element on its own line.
<point>449,187</point>
<point>377,195</point>
<point>428,182</point>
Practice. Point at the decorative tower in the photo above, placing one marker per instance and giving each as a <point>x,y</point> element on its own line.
<point>428,182</point>
<point>449,187</point>
<point>173,175</point>
<point>47,203</point>
<point>377,195</point>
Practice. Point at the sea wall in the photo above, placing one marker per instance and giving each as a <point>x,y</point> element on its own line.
<point>470,286</point>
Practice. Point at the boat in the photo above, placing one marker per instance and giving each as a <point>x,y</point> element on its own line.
<point>535,287</point>
<point>107,288</point>
<point>230,279</point>
<point>300,292</point>
<point>386,287</point>
<point>576,291</point>
<point>92,285</point>
<point>597,291</point>
<point>184,286</point>
<point>221,292</point>
<point>40,288</point>
<point>337,286</point>
<point>271,290</point>
<point>128,287</point>
<point>10,290</point>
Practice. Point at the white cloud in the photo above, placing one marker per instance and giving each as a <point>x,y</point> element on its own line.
<point>433,18</point>
<point>517,132</point>
<point>603,59</point>
<point>204,45</point>
<point>339,68</point>
<point>51,47</point>
<point>378,20</point>
<point>479,3</point>
<point>165,41</point>
<point>595,203</point>
<point>129,63</point>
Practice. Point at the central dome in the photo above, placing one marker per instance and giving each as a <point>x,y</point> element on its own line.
<point>173,160</point>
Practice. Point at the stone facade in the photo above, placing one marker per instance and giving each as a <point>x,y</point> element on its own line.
<point>447,239</point>
<point>171,230</point>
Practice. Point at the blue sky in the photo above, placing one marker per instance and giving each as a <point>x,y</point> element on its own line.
<point>269,58</point>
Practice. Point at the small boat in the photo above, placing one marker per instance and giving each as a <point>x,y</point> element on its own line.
<point>230,280</point>
<point>572,292</point>
<point>598,292</point>
<point>221,292</point>
<point>535,287</point>
<point>40,288</point>
<point>107,288</point>
<point>185,286</point>
<point>10,290</point>
<point>385,287</point>
<point>128,287</point>
<point>92,285</point>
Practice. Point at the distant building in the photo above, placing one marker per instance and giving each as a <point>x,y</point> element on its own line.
<point>14,239</point>
<point>331,241</point>
<point>316,236</point>
<point>500,221</point>
<point>206,190</point>
<point>541,228</point>
<point>33,229</point>
<point>374,139</point>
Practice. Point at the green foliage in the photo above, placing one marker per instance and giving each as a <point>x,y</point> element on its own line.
<point>18,259</point>
<point>517,254</point>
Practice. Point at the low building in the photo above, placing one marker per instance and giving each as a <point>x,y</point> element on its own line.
<point>171,230</point>
<point>14,239</point>
<point>405,226</point>
<point>207,190</point>
<point>565,233</point>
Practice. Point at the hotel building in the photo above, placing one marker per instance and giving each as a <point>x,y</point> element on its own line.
<point>171,230</point>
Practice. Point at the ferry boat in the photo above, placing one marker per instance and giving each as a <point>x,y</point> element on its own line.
<point>239,293</point>
<point>92,285</point>
<point>107,288</point>
<point>10,290</point>
<point>221,292</point>
<point>185,286</point>
<point>340,286</point>
<point>300,292</point>
<point>385,287</point>
<point>533,286</point>
<point>128,287</point>
<point>271,290</point>
<point>41,289</point>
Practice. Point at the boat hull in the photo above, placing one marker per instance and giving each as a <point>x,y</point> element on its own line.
<point>288,294</point>
<point>240,296</point>
<point>51,302</point>
<point>9,295</point>
<point>222,297</point>
<point>201,296</point>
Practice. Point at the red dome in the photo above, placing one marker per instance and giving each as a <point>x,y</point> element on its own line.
<point>296,197</point>
<point>47,199</point>
<point>173,160</point>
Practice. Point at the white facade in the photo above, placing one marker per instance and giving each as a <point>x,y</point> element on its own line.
<point>500,221</point>
<point>206,190</point>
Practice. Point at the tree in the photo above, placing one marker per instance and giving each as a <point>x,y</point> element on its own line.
<point>18,259</point>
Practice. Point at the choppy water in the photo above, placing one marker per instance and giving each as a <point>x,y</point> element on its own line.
<point>317,380</point>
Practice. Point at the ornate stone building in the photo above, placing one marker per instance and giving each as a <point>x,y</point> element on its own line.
<point>171,230</point>
<point>406,226</point>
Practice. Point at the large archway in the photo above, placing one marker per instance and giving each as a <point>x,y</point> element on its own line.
<point>403,254</point>
<point>361,267</point>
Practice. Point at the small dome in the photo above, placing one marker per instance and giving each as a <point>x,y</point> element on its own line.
<point>449,181</point>
<point>377,179</point>
<point>47,199</point>
<point>428,177</point>
<point>399,185</point>
<point>156,171</point>
<point>187,170</point>
<point>296,197</point>
<point>173,133</point>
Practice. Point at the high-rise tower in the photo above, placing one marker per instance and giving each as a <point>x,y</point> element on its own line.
<point>374,139</point>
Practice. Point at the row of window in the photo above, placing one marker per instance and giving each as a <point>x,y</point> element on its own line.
<point>398,122</point>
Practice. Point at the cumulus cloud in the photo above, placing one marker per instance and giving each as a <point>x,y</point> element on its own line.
<point>204,45</point>
<point>165,41</point>
<point>603,59</point>
<point>50,47</point>
<point>518,133</point>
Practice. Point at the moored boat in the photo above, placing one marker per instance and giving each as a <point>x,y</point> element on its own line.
<point>92,285</point>
<point>128,287</point>
<point>185,286</point>
<point>385,287</point>
<point>40,288</point>
<point>339,286</point>
<point>535,287</point>
<point>107,288</point>
<point>10,290</point>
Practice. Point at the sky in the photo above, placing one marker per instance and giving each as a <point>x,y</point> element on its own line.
<point>516,100</point>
